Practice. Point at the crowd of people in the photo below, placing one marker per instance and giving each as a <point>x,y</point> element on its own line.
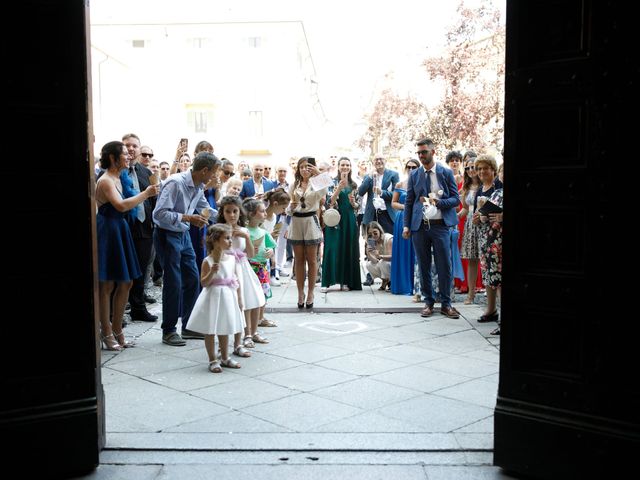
<point>217,236</point>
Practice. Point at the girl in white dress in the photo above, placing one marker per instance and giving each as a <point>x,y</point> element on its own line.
<point>277,201</point>
<point>230,212</point>
<point>218,309</point>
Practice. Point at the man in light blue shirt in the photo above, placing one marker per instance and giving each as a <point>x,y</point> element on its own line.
<point>181,203</point>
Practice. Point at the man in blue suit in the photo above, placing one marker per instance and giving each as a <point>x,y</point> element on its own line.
<point>379,185</point>
<point>435,232</point>
<point>257,185</point>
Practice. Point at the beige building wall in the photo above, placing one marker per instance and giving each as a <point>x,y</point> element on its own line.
<point>248,88</point>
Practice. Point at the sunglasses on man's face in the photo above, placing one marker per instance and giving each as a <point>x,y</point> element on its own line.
<point>423,152</point>
<point>147,155</point>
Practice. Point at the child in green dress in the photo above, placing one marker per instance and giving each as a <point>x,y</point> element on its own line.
<point>263,245</point>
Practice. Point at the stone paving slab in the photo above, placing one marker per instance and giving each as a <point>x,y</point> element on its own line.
<point>405,441</point>
<point>418,392</point>
<point>296,471</point>
<point>302,458</point>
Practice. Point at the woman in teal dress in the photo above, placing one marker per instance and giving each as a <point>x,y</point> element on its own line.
<point>341,257</point>
<point>403,256</point>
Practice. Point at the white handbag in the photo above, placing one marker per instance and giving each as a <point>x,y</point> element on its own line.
<point>378,202</point>
<point>331,217</point>
<point>429,210</point>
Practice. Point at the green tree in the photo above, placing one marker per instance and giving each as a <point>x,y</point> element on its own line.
<point>470,113</point>
<point>393,123</point>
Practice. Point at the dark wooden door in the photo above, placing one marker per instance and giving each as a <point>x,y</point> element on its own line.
<point>568,403</point>
<point>51,420</point>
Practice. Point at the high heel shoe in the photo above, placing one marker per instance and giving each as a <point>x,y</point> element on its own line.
<point>492,317</point>
<point>308,305</point>
<point>122,341</point>
<point>110,343</point>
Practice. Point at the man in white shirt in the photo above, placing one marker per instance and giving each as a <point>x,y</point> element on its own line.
<point>258,184</point>
<point>436,185</point>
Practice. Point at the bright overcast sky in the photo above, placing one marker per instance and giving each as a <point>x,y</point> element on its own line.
<point>354,43</point>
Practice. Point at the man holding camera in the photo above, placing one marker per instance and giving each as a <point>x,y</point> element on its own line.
<point>378,187</point>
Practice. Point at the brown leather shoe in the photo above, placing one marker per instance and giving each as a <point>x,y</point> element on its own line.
<point>427,311</point>
<point>450,312</point>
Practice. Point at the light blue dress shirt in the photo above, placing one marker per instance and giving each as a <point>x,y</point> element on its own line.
<point>179,196</point>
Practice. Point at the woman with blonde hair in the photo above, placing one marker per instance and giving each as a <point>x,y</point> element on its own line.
<point>487,169</point>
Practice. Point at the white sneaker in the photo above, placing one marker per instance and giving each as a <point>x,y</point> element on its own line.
<point>274,282</point>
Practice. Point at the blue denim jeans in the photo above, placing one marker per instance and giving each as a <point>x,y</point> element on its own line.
<point>181,277</point>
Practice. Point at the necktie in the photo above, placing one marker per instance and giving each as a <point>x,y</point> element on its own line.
<point>139,208</point>
<point>427,179</point>
<point>140,213</point>
<point>433,181</point>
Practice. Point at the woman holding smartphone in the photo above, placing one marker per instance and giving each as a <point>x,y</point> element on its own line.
<point>305,233</point>
<point>340,259</point>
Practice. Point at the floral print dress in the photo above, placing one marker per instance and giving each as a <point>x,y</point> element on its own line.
<point>491,247</point>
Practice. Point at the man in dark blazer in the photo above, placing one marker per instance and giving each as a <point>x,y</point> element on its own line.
<point>141,225</point>
<point>436,231</point>
<point>379,184</point>
<point>258,184</point>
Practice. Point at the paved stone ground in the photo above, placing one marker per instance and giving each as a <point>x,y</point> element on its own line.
<point>366,394</point>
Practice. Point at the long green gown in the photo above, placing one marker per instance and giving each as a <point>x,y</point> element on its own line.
<point>341,257</point>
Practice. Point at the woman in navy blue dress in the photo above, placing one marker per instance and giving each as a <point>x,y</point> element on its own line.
<point>117,259</point>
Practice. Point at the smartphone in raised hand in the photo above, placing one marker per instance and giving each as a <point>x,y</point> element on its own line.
<point>184,144</point>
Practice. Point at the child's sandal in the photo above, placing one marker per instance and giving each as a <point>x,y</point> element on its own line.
<point>240,351</point>
<point>214,367</point>
<point>248,342</point>
<point>259,339</point>
<point>230,363</point>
